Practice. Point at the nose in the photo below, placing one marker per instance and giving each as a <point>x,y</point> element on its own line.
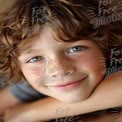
<point>59,67</point>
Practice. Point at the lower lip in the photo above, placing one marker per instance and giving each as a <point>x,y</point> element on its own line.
<point>70,86</point>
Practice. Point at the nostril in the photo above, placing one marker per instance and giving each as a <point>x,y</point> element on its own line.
<point>67,73</point>
<point>54,75</point>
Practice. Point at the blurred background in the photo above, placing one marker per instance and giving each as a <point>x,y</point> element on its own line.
<point>5,4</point>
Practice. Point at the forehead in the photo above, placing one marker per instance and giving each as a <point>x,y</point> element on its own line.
<point>48,40</point>
<point>42,44</point>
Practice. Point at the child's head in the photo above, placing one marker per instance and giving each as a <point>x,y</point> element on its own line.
<point>52,44</point>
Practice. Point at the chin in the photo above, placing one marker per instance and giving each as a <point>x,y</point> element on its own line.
<point>72,100</point>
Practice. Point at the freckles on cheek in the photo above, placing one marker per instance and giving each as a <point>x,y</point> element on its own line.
<point>95,65</point>
<point>84,60</point>
<point>33,73</point>
<point>89,62</point>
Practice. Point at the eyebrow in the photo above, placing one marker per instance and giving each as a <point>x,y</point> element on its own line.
<point>33,51</point>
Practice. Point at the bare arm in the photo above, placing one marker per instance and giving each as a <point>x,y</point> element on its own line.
<point>7,100</point>
<point>108,94</point>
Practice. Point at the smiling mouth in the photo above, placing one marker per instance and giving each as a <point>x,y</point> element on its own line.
<point>68,85</point>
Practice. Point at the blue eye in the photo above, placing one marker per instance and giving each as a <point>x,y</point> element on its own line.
<point>34,59</point>
<point>77,49</point>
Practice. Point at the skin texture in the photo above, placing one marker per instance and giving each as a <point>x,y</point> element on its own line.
<point>66,71</point>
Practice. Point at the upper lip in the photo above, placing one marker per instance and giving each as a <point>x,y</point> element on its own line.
<point>67,83</point>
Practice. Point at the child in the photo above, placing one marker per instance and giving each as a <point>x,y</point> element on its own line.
<point>66,65</point>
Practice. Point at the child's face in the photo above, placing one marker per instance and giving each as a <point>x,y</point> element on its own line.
<point>67,71</point>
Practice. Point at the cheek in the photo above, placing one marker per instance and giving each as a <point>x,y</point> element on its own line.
<point>34,74</point>
<point>92,63</point>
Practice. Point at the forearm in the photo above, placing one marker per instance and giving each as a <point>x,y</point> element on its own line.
<point>108,91</point>
<point>7,100</point>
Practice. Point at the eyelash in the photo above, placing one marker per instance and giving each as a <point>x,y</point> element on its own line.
<point>31,60</point>
<point>82,48</point>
